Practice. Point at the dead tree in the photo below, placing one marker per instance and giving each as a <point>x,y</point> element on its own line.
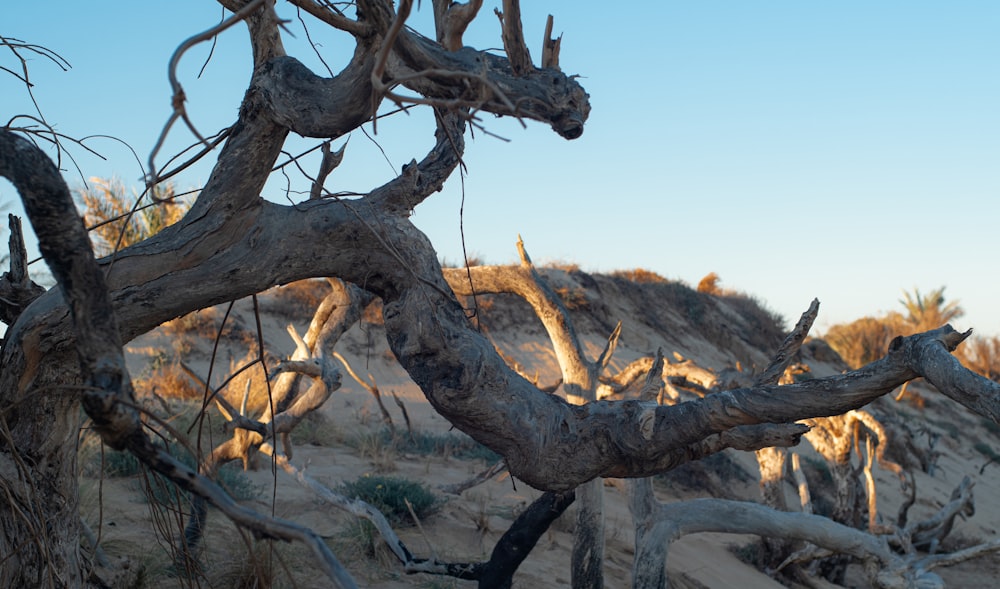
<point>580,380</point>
<point>64,350</point>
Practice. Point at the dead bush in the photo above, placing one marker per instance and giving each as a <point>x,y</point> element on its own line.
<point>640,275</point>
<point>296,300</point>
<point>168,380</point>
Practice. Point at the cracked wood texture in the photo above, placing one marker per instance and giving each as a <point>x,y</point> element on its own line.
<point>233,244</point>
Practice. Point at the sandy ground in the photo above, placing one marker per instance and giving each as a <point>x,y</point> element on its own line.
<point>466,527</point>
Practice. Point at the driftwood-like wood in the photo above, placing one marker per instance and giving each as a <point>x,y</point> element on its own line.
<point>771,462</point>
<point>580,381</point>
<point>107,395</point>
<point>64,351</point>
<point>17,290</point>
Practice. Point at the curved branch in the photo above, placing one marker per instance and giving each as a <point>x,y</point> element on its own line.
<point>108,397</point>
<point>484,81</point>
<point>328,13</point>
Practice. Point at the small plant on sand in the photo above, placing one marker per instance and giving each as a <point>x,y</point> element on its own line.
<point>445,445</point>
<point>318,430</point>
<point>573,298</point>
<point>390,496</point>
<point>360,539</point>
<point>159,489</point>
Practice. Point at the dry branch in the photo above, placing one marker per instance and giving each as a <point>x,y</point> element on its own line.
<point>107,396</point>
<point>550,46</point>
<point>580,380</point>
<point>451,19</point>
<point>17,290</point>
<point>513,38</point>
<point>233,243</point>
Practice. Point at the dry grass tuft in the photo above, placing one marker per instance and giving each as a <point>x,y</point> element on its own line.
<point>297,300</point>
<point>568,267</point>
<point>168,381</point>
<point>640,275</point>
<point>573,298</point>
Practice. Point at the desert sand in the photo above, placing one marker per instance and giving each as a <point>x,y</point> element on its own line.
<point>465,527</point>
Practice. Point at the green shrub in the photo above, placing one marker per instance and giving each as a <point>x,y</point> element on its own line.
<point>390,494</point>
<point>987,450</point>
<point>446,445</point>
<point>120,464</point>
<point>230,477</point>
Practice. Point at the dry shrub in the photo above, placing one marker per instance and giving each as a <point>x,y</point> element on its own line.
<point>200,324</point>
<point>168,381</point>
<point>982,356</point>
<point>710,284</point>
<point>718,475</point>
<point>243,567</point>
<point>471,261</point>
<point>573,298</point>
<point>296,300</point>
<point>568,267</point>
<point>478,308</point>
<point>372,314</point>
<point>203,326</point>
<point>865,340</point>
<point>118,219</point>
<point>640,275</point>
<point>766,329</point>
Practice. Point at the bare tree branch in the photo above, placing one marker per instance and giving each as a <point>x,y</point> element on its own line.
<point>513,38</point>
<point>451,19</point>
<point>17,290</point>
<point>107,396</point>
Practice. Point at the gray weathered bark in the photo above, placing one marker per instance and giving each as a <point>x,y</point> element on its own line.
<point>233,244</point>
<point>580,381</point>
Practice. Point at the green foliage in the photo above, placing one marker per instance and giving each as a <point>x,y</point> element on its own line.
<point>991,426</point>
<point>751,553</point>
<point>318,430</point>
<point>120,464</point>
<point>446,445</point>
<point>390,495</point>
<point>822,469</point>
<point>230,477</point>
<point>986,450</point>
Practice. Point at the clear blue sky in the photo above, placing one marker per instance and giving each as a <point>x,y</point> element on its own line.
<point>844,151</point>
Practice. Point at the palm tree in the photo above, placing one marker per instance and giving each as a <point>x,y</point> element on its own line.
<point>930,311</point>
